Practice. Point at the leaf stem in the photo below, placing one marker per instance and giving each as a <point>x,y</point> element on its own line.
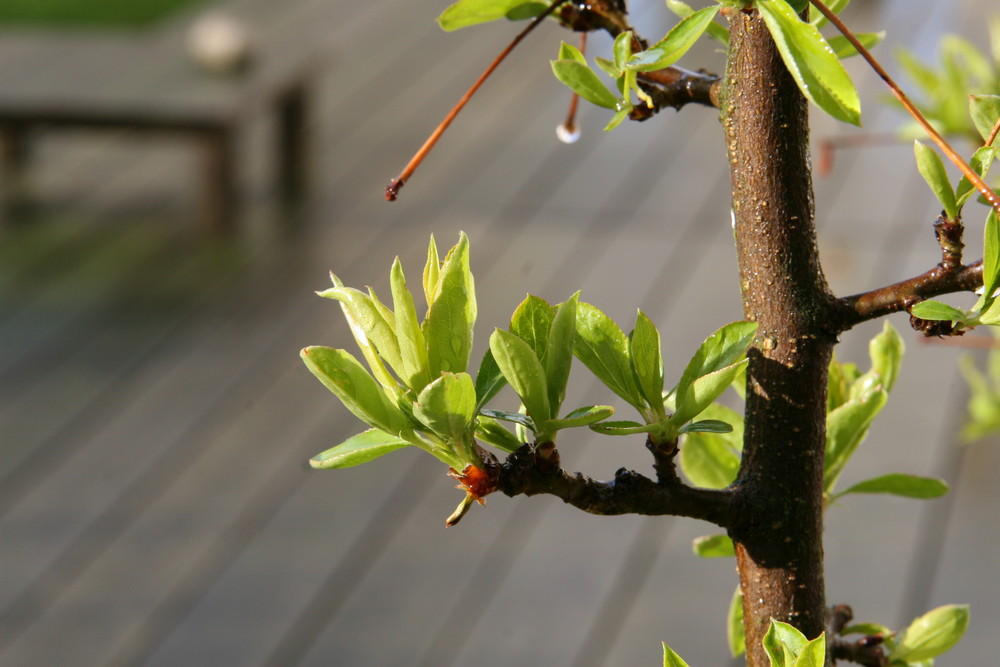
<point>955,158</point>
<point>392,190</point>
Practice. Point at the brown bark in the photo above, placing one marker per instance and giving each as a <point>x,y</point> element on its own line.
<point>778,532</point>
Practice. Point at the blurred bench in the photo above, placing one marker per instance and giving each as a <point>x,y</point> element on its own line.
<point>148,82</point>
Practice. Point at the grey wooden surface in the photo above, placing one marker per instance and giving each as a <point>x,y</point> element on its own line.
<point>154,419</point>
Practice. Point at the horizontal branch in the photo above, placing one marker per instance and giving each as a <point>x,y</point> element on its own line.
<point>526,473</point>
<point>900,296</point>
<point>676,87</point>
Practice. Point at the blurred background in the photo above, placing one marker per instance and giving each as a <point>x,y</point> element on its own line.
<point>157,278</point>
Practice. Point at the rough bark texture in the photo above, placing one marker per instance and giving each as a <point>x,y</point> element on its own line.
<point>779,533</point>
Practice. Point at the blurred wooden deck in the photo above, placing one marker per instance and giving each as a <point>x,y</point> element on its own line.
<point>154,418</point>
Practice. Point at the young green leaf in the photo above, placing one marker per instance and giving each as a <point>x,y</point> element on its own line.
<point>932,634</point>
<point>811,62</point>
<point>358,449</point>
<point>465,13</point>
<point>447,407</point>
<point>584,82</point>
<point>817,18</point>
<point>671,659</point>
<point>734,625</point>
<point>932,169</point>
<point>714,30</point>
<point>886,352</point>
<point>531,322</point>
<point>675,44</point>
<point>711,460</point>
<point>783,644</point>
<point>603,348</point>
<point>585,416</point>
<point>492,432</point>
<point>452,315</point>
<point>813,654</point>
<point>342,374</point>
<point>844,49</point>
<point>489,380</point>
<point>557,356</point>
<point>623,427</point>
<point>713,546</point>
<point>985,111</point>
<point>514,417</point>
<point>846,427</point>
<point>712,369</point>
<point>432,272</point>
<point>980,162</point>
<point>936,310</point>
<point>644,350</point>
<point>524,372</point>
<point>991,270</point>
<point>706,426</point>
<point>412,349</point>
<point>899,484</point>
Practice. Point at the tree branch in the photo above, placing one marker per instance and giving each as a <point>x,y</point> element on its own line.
<point>675,87</point>
<point>900,296</point>
<point>526,473</point>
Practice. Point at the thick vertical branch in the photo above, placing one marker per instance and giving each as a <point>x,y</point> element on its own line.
<point>779,536</point>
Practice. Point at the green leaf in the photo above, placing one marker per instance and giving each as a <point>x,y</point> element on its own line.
<point>713,546</point>
<point>447,407</point>
<point>899,484</point>
<point>524,372</point>
<point>622,49</point>
<point>985,111</point>
<point>585,416</point>
<point>712,460</point>
<point>936,310</point>
<point>531,322</point>
<point>783,643</point>
<point>811,61</point>
<point>816,17</point>
<point>342,374</point>
<point>358,449</point>
<point>886,352</point>
<point>623,427</point>
<point>846,427</point>
<point>489,380</point>
<point>991,270</point>
<point>813,654</point>
<point>584,82</point>
<point>675,44</point>
<point>452,315</point>
<point>603,348</point>
<point>707,426</point>
<point>734,625</point>
<point>376,337</point>
<point>432,272</point>
<point>647,362</point>
<point>570,52</point>
<point>491,431</point>
<point>712,369</point>
<point>465,13</point>
<point>932,169</point>
<point>714,30</point>
<point>671,659</point>
<point>844,49</point>
<point>557,356</point>
<point>932,634</point>
<point>513,417</point>
<point>980,162</point>
<point>412,349</point>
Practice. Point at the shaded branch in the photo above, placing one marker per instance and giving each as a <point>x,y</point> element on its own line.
<point>675,87</point>
<point>525,473</point>
<point>866,651</point>
<point>900,296</point>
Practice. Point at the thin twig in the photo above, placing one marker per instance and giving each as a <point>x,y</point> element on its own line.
<point>392,190</point>
<point>993,134</point>
<point>955,158</point>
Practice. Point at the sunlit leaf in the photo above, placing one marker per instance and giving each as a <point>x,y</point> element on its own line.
<point>585,416</point>
<point>514,417</point>
<point>816,17</point>
<point>623,427</point>
<point>489,380</point>
<point>447,406</point>
<point>711,460</point>
<point>675,44</point>
<point>412,349</point>
<point>783,644</point>
<point>936,310</point>
<point>465,13</point>
<point>558,352</point>
<point>713,546</point>
<point>712,369</point>
<point>991,271</point>
<point>931,167</point>
<point>358,449</point>
<point>932,634</point>
<point>734,625</point>
<point>451,317</point>
<point>432,272</point>
<point>531,322</point>
<point>492,432</point>
<point>603,348</point>
<point>811,61</point>
<point>342,374</point>
<point>671,659</point>
<point>846,427</point>
<point>714,30</point>
<point>980,163</point>
<point>899,484</point>
<point>844,49</point>
<point>644,349</point>
<point>584,82</point>
<point>524,372</point>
